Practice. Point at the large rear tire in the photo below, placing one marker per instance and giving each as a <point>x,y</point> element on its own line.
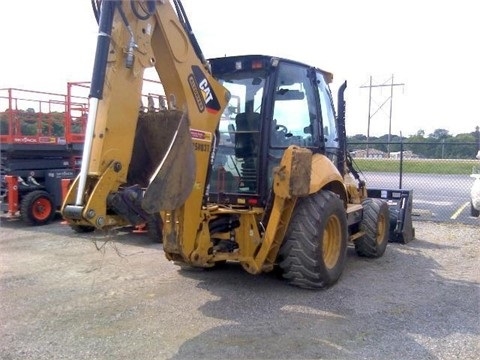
<point>376,224</point>
<point>37,208</point>
<point>313,252</point>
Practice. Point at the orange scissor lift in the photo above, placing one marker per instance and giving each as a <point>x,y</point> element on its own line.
<point>41,142</point>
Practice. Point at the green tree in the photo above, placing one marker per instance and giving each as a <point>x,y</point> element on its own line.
<point>462,146</point>
<point>419,145</point>
<point>420,133</point>
<point>440,134</point>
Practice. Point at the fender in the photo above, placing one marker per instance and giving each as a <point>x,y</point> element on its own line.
<point>325,175</point>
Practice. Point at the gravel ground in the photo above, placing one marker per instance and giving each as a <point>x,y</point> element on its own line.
<point>62,298</point>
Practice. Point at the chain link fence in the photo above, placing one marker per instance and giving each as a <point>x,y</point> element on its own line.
<point>440,173</point>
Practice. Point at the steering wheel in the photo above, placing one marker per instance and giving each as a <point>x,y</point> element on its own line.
<point>279,135</point>
<point>281,128</point>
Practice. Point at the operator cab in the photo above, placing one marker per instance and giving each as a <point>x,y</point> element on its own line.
<point>274,103</point>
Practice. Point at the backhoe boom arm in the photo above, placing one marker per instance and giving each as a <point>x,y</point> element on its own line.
<point>133,36</point>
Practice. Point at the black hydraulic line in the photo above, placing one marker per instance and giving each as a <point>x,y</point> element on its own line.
<point>182,16</point>
<point>103,43</point>
<point>122,14</point>
<point>351,167</point>
<point>149,12</point>
<point>151,5</point>
<point>95,9</point>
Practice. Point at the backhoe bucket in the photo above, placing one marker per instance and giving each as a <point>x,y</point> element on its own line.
<point>400,203</point>
<point>163,160</point>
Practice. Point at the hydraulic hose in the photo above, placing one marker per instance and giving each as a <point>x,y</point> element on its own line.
<point>96,88</point>
<point>182,16</point>
<point>103,44</point>
<point>149,12</point>
<point>96,9</point>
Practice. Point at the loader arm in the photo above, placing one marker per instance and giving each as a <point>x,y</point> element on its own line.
<point>133,36</point>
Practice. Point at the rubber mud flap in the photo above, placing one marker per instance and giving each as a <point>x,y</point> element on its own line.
<point>174,176</point>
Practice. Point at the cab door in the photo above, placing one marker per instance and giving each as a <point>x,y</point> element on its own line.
<point>295,118</point>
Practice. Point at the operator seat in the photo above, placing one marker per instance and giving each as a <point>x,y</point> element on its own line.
<point>246,146</point>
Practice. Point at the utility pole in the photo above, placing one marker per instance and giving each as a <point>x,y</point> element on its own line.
<point>392,84</point>
<point>369,113</point>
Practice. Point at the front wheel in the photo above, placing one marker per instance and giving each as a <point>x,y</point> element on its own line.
<point>313,252</point>
<point>37,208</point>
<point>375,223</point>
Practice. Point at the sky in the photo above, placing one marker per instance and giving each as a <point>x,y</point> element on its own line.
<point>429,46</point>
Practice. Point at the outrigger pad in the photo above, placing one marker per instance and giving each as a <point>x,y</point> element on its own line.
<point>163,160</point>
<point>400,204</point>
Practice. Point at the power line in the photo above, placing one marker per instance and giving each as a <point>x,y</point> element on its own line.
<point>370,86</point>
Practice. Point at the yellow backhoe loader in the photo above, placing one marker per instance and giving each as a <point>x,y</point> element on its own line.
<point>247,162</point>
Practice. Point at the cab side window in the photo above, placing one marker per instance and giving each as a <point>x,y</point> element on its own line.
<point>330,131</point>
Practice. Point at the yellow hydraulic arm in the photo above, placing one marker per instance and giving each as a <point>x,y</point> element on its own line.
<point>135,35</point>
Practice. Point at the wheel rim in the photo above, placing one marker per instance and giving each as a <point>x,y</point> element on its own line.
<point>332,242</point>
<point>381,228</point>
<point>42,208</point>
